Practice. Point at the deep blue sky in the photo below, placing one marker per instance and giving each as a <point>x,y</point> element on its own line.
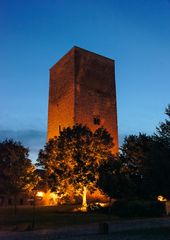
<point>34,34</point>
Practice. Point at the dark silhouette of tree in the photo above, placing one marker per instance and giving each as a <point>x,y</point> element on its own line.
<point>17,172</point>
<point>72,159</point>
<point>161,156</point>
<point>135,155</point>
<point>148,161</point>
<point>163,131</point>
<point>114,179</point>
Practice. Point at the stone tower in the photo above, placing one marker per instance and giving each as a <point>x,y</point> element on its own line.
<point>82,90</point>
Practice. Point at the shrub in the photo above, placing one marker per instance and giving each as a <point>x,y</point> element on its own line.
<point>97,208</point>
<point>138,208</point>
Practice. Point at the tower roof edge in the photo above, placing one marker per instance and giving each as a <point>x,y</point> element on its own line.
<point>76,48</point>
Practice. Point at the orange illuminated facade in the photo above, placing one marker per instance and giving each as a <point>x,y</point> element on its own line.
<point>82,90</point>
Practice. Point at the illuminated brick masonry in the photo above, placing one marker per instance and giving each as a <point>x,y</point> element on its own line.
<point>82,90</point>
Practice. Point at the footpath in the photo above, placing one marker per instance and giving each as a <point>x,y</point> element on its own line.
<point>89,231</point>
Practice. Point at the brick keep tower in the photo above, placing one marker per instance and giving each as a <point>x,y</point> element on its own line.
<point>82,90</point>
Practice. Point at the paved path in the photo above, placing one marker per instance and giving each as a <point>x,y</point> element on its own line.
<point>117,231</point>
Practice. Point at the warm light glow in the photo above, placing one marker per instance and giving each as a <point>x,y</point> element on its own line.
<point>102,204</point>
<point>161,199</point>
<point>40,194</point>
<point>47,198</point>
<point>84,205</point>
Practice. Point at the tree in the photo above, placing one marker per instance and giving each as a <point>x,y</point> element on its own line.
<point>136,157</point>
<point>161,157</point>
<point>163,131</point>
<point>148,161</point>
<point>73,158</point>
<point>114,179</point>
<point>17,172</point>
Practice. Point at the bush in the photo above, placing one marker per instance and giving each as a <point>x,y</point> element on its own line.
<point>97,208</point>
<point>138,208</point>
<point>135,208</point>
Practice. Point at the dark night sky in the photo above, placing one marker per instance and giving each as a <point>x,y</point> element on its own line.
<point>35,34</point>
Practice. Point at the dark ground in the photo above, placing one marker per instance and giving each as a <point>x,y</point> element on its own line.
<point>136,229</point>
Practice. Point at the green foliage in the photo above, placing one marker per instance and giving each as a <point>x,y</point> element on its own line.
<point>17,172</point>
<point>72,159</point>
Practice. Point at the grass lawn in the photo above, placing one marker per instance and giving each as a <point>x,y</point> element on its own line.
<point>45,217</point>
<point>54,217</point>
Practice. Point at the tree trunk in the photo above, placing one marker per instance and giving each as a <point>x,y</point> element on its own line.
<point>84,196</point>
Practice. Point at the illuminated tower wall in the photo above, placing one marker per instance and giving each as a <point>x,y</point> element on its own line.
<point>82,90</point>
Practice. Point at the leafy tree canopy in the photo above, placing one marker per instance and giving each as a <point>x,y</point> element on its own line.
<point>135,157</point>
<point>17,172</point>
<point>163,131</point>
<point>161,156</point>
<point>147,159</point>
<point>114,179</point>
<point>72,159</point>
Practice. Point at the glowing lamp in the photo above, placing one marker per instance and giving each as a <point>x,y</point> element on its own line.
<point>161,199</point>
